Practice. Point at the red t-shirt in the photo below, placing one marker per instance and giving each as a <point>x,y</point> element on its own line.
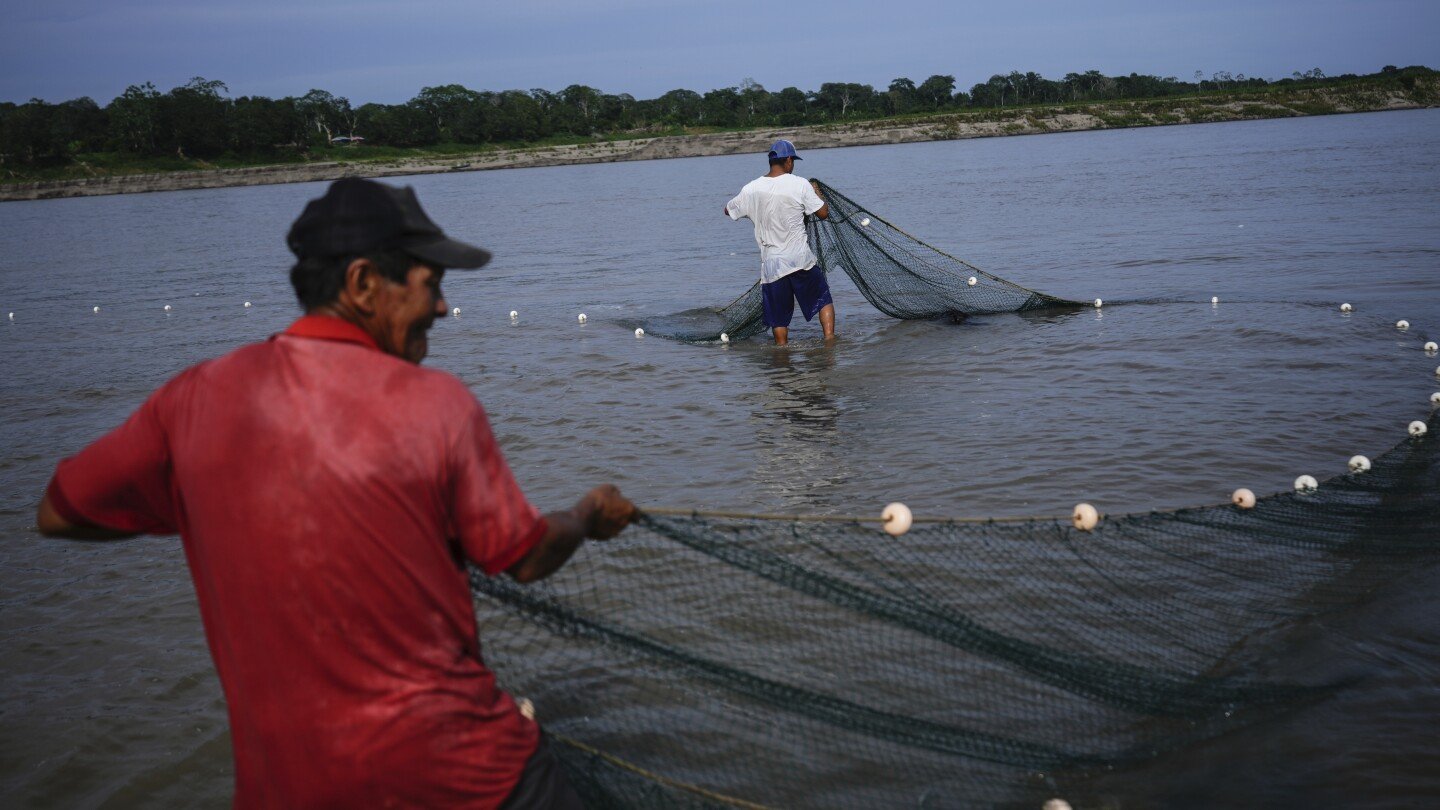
<point>327,495</point>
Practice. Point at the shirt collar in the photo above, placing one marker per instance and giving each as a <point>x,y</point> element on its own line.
<point>324,327</point>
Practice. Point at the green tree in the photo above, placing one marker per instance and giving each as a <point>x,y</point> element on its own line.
<point>401,125</point>
<point>262,126</point>
<point>680,107</point>
<point>900,96</point>
<point>516,116</point>
<point>326,114</point>
<point>840,100</point>
<point>456,112</point>
<point>582,106</point>
<point>135,119</point>
<point>618,112</point>
<point>936,91</point>
<point>721,108</point>
<point>194,119</point>
<point>26,136</point>
<point>754,100</point>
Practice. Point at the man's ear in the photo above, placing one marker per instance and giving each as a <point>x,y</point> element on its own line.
<point>362,284</point>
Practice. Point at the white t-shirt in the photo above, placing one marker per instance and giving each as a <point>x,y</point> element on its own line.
<point>777,206</point>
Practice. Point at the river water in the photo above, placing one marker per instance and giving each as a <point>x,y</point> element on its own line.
<point>107,694</point>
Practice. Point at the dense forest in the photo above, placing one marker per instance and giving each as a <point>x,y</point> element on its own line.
<point>199,120</point>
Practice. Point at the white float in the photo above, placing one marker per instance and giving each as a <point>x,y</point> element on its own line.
<point>865,223</point>
<point>1099,303</point>
<point>1061,804</point>
<point>1359,464</point>
<point>971,281</point>
<point>514,315</point>
<point>247,304</point>
<point>1243,498</point>
<point>96,309</point>
<point>1417,428</point>
<point>896,518</point>
<point>1345,307</point>
<point>1402,325</point>
<point>167,307</point>
<point>12,316</point>
<point>724,338</point>
<point>583,318</point>
<point>455,312</point>
<point>639,332</point>
<point>1306,483</point>
<point>1434,398</point>
<point>1432,347</point>
<point>1084,517</point>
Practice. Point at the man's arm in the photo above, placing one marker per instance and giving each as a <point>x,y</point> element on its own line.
<point>52,524</point>
<point>600,515</point>
<point>824,212</point>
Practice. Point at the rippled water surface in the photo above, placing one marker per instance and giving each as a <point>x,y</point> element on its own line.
<point>1159,399</point>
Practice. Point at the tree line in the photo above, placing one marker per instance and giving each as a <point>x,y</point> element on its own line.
<point>199,120</point>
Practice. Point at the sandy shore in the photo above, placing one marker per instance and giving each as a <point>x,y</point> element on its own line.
<point>1019,121</point>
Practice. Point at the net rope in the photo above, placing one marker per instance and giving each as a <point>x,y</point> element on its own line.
<point>712,660</point>
<point>897,273</point>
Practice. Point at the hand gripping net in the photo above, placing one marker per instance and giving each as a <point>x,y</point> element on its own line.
<point>900,275</point>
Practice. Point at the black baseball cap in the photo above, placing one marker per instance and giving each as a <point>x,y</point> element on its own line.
<point>358,216</point>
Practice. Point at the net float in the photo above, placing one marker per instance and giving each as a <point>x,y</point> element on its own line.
<point>896,518</point>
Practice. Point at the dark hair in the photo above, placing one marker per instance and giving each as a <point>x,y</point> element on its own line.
<point>318,279</point>
<point>778,161</point>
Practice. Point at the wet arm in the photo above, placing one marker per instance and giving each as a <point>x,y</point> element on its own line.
<point>52,524</point>
<point>600,515</point>
<point>824,212</point>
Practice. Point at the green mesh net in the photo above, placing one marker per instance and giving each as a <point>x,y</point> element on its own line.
<point>752,661</point>
<point>897,273</point>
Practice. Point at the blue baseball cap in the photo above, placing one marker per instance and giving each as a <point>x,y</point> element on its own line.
<point>783,149</point>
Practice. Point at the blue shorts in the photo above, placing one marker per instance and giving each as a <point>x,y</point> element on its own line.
<point>807,286</point>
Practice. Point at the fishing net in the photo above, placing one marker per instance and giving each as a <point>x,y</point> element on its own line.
<point>900,275</point>
<point>786,662</point>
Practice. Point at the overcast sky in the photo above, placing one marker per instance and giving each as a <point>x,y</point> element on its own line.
<point>386,51</point>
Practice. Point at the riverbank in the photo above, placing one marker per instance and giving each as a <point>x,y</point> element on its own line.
<point>952,126</point>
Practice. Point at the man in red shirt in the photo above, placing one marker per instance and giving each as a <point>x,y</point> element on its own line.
<point>328,492</point>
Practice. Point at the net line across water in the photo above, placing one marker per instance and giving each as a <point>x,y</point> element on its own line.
<point>825,663</point>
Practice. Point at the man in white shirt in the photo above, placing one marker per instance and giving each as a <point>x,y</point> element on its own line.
<point>777,204</point>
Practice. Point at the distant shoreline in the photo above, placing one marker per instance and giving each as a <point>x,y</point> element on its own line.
<point>992,123</point>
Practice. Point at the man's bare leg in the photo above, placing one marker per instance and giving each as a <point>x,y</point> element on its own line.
<point>782,335</point>
<point>827,321</point>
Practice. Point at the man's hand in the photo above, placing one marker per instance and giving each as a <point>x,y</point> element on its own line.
<point>601,514</point>
<point>608,511</point>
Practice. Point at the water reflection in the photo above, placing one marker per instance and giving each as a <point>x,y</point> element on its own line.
<point>800,462</point>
